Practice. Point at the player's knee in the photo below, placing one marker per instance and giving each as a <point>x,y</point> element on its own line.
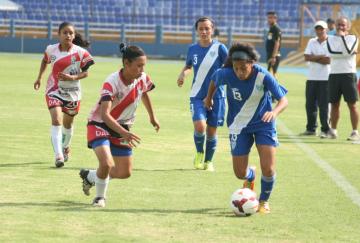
<point>268,172</point>
<point>121,174</point>
<point>240,174</point>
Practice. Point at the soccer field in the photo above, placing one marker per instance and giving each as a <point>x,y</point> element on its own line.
<point>316,196</point>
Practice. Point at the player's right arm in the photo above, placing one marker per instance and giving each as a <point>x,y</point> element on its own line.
<point>184,72</point>
<point>41,72</point>
<point>208,101</point>
<point>105,108</point>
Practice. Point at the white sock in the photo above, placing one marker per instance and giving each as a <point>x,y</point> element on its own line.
<point>56,137</point>
<point>101,186</point>
<point>67,135</point>
<point>355,131</point>
<point>91,177</point>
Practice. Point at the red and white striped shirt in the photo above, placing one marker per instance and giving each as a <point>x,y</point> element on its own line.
<point>68,62</point>
<point>125,98</point>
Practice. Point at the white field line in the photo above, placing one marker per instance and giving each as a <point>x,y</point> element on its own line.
<point>350,191</point>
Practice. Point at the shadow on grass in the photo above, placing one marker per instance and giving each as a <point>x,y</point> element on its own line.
<point>309,140</point>
<point>75,206</point>
<point>140,169</point>
<point>25,164</point>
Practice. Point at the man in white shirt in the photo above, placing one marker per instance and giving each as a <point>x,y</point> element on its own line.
<point>342,79</point>
<point>318,59</point>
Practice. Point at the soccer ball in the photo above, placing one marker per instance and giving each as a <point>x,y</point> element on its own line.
<point>243,202</point>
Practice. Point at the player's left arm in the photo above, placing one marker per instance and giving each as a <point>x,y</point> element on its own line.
<point>149,108</point>
<point>86,62</point>
<point>279,92</point>
<point>279,107</point>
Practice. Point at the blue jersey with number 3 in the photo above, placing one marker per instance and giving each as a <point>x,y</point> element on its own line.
<point>205,61</point>
<point>248,100</point>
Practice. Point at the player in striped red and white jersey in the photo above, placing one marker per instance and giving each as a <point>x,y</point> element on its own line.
<point>110,121</point>
<point>70,63</point>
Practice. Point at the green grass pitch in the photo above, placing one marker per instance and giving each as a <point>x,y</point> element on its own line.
<point>165,200</point>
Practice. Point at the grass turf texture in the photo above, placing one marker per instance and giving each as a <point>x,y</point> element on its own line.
<point>165,199</point>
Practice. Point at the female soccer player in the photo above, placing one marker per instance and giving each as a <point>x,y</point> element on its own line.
<point>111,119</point>
<point>206,56</point>
<point>250,115</point>
<point>70,63</point>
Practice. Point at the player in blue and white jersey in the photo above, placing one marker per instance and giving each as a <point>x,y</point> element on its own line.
<point>205,57</point>
<point>250,115</point>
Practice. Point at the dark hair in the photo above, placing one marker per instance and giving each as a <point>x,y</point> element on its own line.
<point>330,21</point>
<point>78,40</point>
<point>203,19</point>
<point>130,53</point>
<point>246,48</point>
<point>271,13</point>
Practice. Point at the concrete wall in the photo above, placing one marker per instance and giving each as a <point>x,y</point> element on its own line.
<point>109,48</point>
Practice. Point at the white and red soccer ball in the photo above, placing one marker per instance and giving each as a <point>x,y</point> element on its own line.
<point>243,202</point>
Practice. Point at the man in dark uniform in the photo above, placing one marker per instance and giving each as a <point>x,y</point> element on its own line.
<point>273,42</point>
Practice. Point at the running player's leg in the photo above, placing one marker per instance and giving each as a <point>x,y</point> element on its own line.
<point>70,110</point>
<point>106,162</point>
<point>240,149</point>
<point>267,162</point>
<point>123,162</point>
<point>266,142</point>
<point>67,133</point>
<point>56,134</point>
<point>199,120</point>
<point>215,118</point>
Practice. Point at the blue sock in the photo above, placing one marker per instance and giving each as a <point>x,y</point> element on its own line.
<point>199,139</point>
<point>210,148</point>
<point>250,174</point>
<point>267,184</point>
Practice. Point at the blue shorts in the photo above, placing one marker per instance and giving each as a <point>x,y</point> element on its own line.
<point>115,150</point>
<point>241,143</point>
<point>214,117</point>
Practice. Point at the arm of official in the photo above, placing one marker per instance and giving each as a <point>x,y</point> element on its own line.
<point>322,59</point>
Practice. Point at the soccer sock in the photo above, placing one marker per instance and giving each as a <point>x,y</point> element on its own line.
<point>56,137</point>
<point>250,174</point>
<point>67,135</point>
<point>267,184</point>
<point>199,139</point>
<point>101,186</point>
<point>91,177</point>
<point>210,147</point>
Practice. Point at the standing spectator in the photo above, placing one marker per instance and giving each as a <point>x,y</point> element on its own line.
<point>331,26</point>
<point>318,59</point>
<point>273,43</point>
<point>342,79</point>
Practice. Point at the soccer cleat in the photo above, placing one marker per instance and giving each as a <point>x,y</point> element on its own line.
<point>209,166</point>
<point>59,161</point>
<point>66,152</point>
<point>324,135</point>
<point>99,202</point>
<point>264,207</point>
<point>86,185</point>
<point>354,136</point>
<point>250,184</point>
<point>198,161</point>
<point>332,134</point>
<point>308,133</point>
